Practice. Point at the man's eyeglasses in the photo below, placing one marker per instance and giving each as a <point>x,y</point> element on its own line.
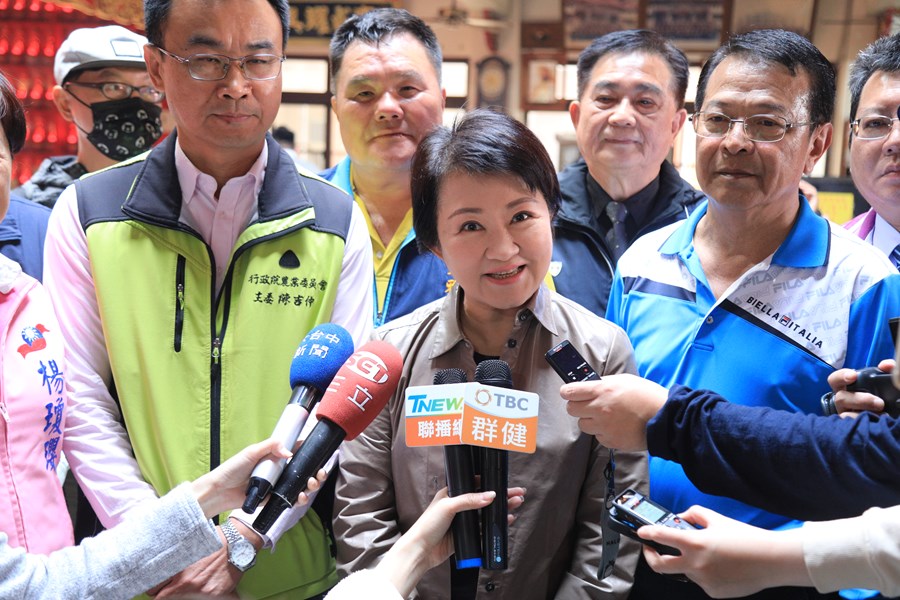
<point>115,90</point>
<point>758,128</point>
<point>214,67</point>
<point>873,127</point>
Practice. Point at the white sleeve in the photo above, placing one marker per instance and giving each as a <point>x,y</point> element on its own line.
<point>288,518</point>
<point>860,552</point>
<point>96,444</point>
<point>353,306</point>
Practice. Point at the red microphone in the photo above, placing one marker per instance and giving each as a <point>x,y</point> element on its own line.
<point>361,388</point>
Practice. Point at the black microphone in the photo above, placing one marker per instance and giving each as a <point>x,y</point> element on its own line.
<point>461,480</point>
<point>494,477</point>
<point>361,388</point>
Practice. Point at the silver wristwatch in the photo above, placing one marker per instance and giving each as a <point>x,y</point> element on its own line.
<point>241,552</point>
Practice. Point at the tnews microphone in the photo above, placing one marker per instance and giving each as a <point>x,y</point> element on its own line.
<point>357,394</point>
<point>494,477</point>
<point>461,480</point>
<point>316,361</point>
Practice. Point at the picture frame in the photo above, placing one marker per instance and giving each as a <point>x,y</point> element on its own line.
<point>768,14</point>
<point>585,20</point>
<point>692,25</point>
<point>492,82</point>
<point>318,19</point>
<point>542,88</point>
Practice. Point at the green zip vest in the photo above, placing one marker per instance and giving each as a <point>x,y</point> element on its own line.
<point>199,377</point>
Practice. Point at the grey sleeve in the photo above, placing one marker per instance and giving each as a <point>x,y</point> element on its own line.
<point>150,546</point>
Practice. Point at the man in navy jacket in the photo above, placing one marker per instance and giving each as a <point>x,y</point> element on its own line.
<point>630,107</point>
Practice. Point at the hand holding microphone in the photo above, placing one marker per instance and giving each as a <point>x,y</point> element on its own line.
<point>315,363</point>
<point>359,391</point>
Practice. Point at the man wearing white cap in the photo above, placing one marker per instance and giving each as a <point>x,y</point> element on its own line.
<point>103,88</point>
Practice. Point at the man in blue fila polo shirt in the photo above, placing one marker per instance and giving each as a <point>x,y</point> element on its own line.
<point>753,296</point>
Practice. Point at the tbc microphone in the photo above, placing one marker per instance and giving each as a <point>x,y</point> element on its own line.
<point>494,477</point>
<point>461,480</point>
<point>317,359</point>
<point>357,394</point>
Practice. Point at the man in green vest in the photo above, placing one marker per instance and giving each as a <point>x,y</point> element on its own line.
<point>184,279</point>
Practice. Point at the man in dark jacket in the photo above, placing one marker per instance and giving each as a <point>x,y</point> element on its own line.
<point>630,107</point>
<point>103,89</point>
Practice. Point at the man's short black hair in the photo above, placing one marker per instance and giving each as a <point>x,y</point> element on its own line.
<point>376,26</point>
<point>480,143</point>
<point>881,55</point>
<point>635,41</point>
<point>792,50</point>
<point>283,135</point>
<point>156,13</point>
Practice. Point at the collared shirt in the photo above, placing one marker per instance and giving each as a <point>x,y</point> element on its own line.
<point>556,544</point>
<point>641,207</point>
<point>883,236</point>
<point>219,221</point>
<point>581,252</point>
<point>383,256</point>
<point>96,443</point>
<point>820,302</point>
<point>416,279</point>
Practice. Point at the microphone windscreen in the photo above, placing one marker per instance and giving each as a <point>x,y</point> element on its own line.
<point>362,387</point>
<point>494,372</point>
<point>447,376</point>
<point>320,355</point>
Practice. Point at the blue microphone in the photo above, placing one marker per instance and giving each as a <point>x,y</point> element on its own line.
<point>317,360</point>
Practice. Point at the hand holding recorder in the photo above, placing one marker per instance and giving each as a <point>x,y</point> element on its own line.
<point>870,389</point>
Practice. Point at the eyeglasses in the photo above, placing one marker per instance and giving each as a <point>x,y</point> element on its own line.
<point>758,128</point>
<point>214,67</point>
<point>115,90</point>
<point>873,127</point>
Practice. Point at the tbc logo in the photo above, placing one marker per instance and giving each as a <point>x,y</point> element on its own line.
<point>483,396</point>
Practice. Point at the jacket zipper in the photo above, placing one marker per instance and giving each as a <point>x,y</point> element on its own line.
<point>215,404</point>
<point>215,373</point>
<point>381,316</point>
<point>215,408</point>
<point>179,301</point>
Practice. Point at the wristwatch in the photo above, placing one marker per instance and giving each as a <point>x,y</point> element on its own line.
<point>241,552</point>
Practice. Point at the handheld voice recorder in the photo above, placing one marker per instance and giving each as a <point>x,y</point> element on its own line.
<point>569,364</point>
<point>632,510</point>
